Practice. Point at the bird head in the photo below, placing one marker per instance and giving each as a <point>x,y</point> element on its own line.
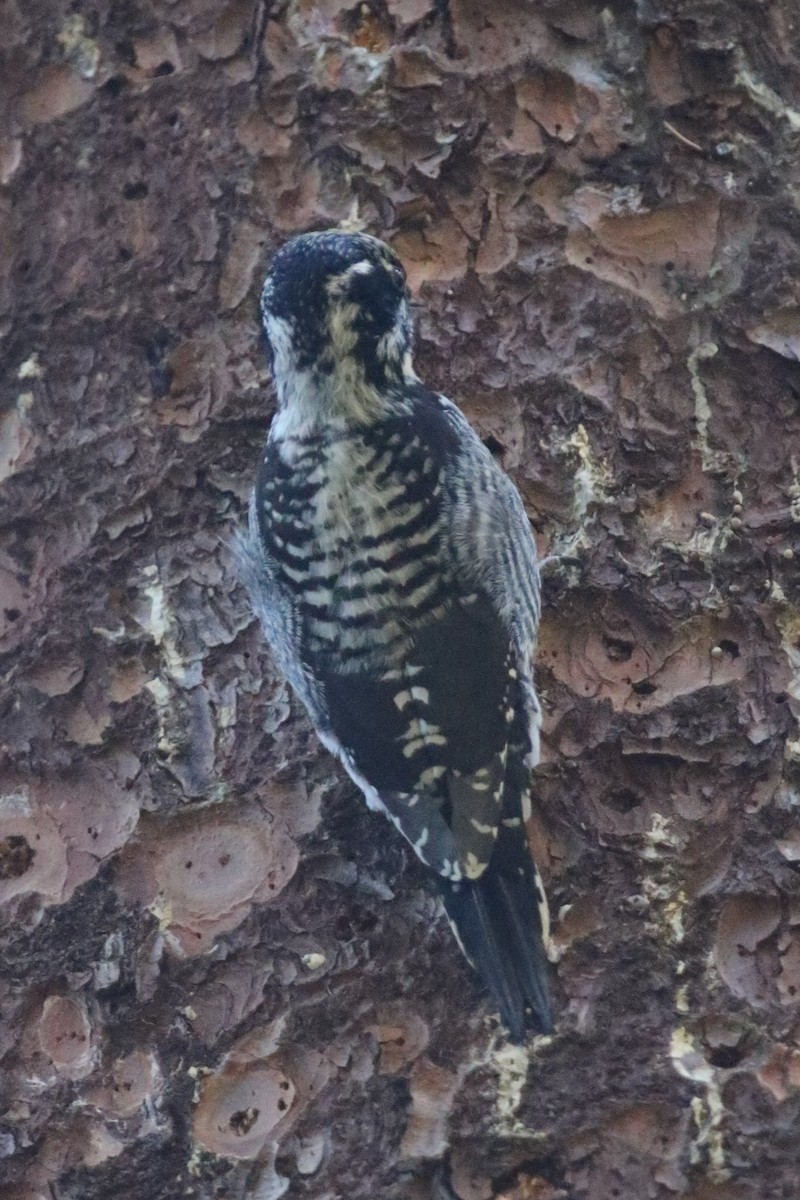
<point>336,314</point>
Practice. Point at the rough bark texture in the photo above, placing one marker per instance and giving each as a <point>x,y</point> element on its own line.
<point>221,976</point>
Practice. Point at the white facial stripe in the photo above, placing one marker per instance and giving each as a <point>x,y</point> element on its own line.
<point>279,332</point>
<point>338,283</point>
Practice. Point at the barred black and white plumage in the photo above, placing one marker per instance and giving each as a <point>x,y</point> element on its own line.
<point>393,568</point>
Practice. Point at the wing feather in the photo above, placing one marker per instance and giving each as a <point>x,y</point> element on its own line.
<point>489,542</point>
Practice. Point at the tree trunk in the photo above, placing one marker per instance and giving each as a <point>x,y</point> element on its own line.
<point>223,977</point>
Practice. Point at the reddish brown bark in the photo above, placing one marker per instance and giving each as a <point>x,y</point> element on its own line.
<point>222,976</point>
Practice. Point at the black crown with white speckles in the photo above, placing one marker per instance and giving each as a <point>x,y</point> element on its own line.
<point>337,294</point>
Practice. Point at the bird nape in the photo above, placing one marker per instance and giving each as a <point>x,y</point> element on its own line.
<point>391,563</point>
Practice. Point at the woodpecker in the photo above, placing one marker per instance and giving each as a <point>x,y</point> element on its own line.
<point>392,566</point>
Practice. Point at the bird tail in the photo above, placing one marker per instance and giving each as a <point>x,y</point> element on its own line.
<point>500,921</point>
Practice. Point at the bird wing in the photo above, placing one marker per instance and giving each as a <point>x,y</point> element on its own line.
<point>489,543</point>
<point>278,613</point>
<point>441,739</point>
<point>428,738</point>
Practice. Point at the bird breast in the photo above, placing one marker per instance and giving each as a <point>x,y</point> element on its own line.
<point>364,562</point>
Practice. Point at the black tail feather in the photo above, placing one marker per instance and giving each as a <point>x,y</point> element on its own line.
<point>487,946</point>
<point>497,922</point>
<point>531,962</point>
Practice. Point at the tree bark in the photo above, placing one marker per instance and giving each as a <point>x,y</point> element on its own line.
<point>223,977</point>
